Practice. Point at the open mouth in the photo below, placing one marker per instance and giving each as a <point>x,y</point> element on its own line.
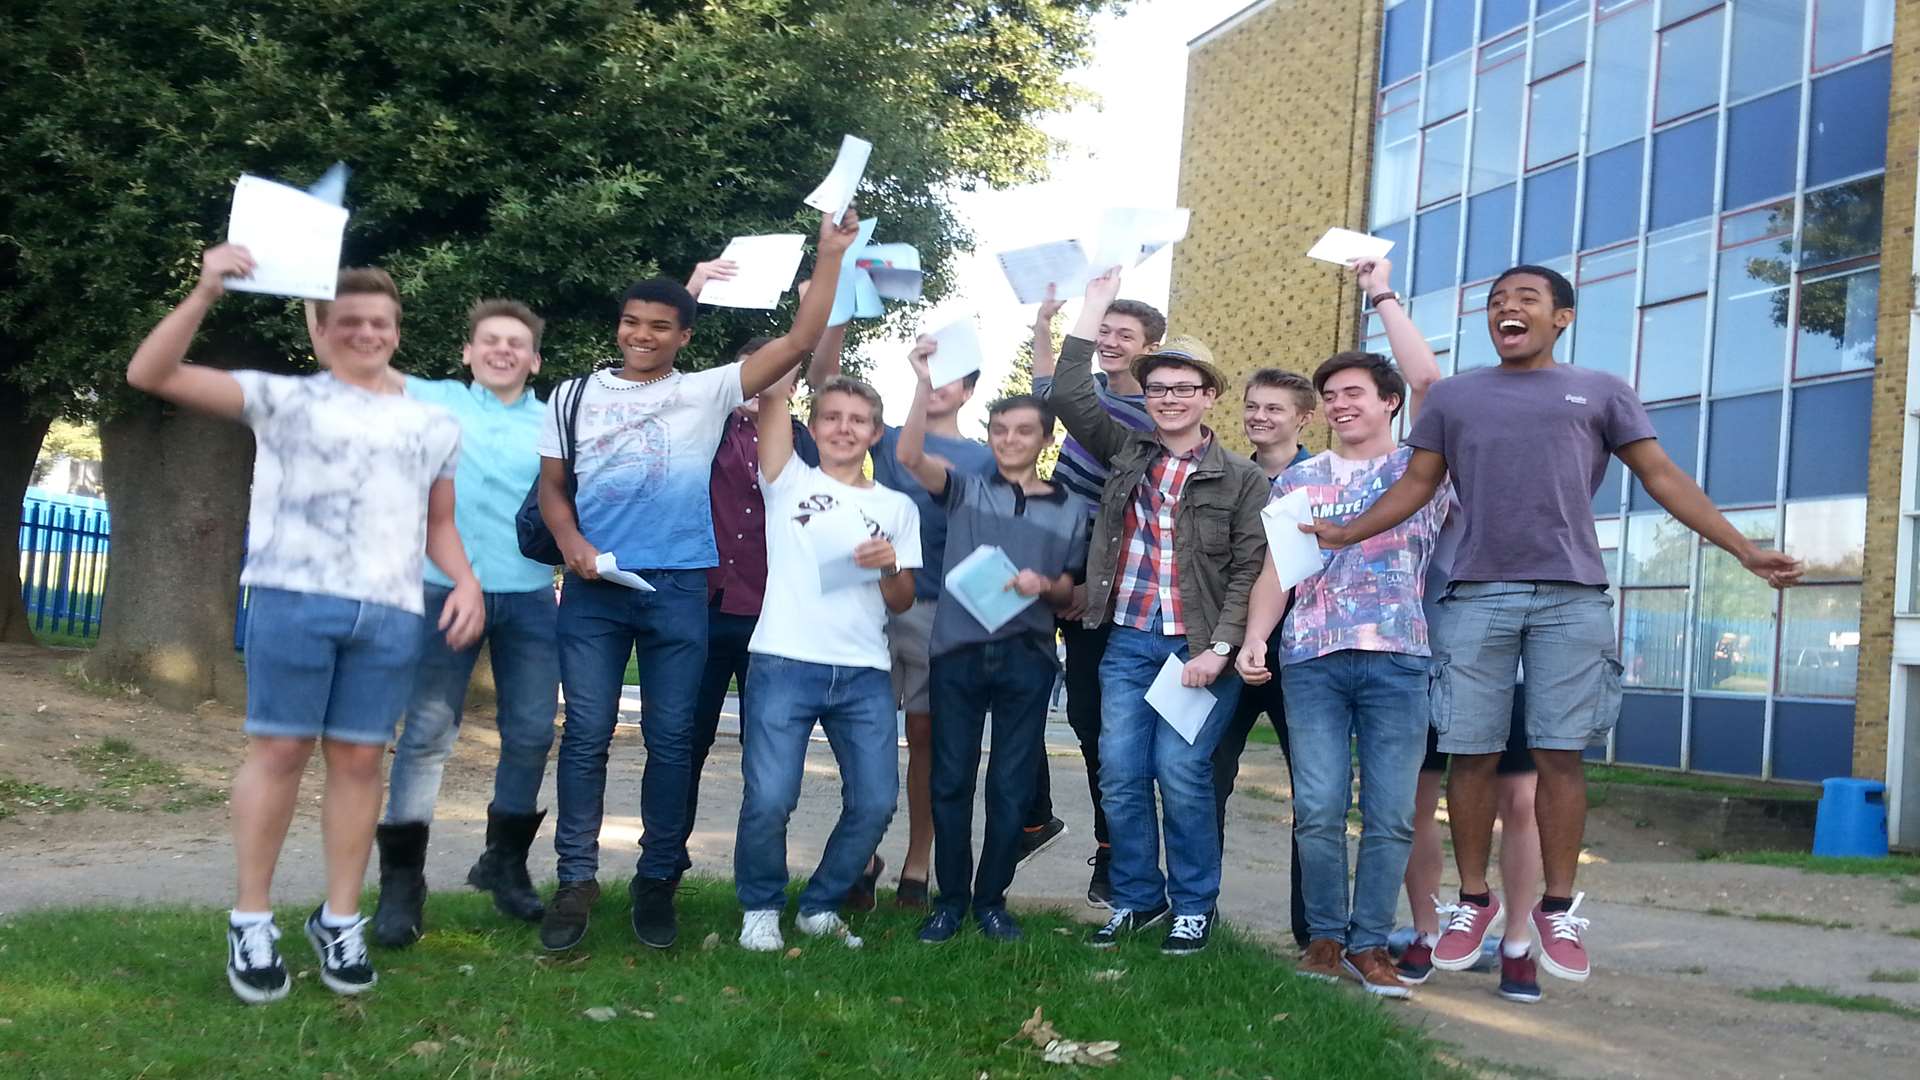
<point>1342,419</point>
<point>1510,332</point>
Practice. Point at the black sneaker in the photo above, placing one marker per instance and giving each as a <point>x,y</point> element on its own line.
<point>565,921</point>
<point>1035,841</point>
<point>1189,934</point>
<point>344,965</point>
<point>939,927</point>
<point>254,968</point>
<point>997,925</point>
<point>1126,921</point>
<point>1100,886</point>
<point>653,916</point>
<point>862,896</point>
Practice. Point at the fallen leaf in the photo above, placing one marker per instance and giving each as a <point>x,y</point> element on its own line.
<point>679,999</point>
<point>600,1014</point>
<point>1058,1051</point>
<point>896,1000</point>
<point>1110,975</point>
<point>631,962</point>
<point>1277,1017</point>
<point>730,991</point>
<point>642,1013</point>
<point>465,969</point>
<point>1063,931</point>
<point>425,1048</point>
<point>710,942</point>
<point>572,961</point>
<point>793,953</point>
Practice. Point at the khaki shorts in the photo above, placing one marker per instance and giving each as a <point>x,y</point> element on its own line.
<point>908,637</point>
<point>1564,633</point>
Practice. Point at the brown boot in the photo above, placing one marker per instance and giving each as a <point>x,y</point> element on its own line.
<point>1373,969</point>
<point>1321,960</point>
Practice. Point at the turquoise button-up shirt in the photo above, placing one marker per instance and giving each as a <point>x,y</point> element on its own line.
<point>498,464</point>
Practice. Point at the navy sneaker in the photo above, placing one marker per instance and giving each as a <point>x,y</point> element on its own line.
<point>344,965</point>
<point>939,926</point>
<point>997,925</point>
<point>1126,921</point>
<point>1519,980</point>
<point>254,968</point>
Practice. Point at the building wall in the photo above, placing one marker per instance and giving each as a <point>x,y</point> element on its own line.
<point>1274,151</point>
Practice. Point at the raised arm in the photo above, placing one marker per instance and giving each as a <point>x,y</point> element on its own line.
<point>774,423</point>
<point>1676,491</point>
<point>1410,349</point>
<point>1043,334</point>
<point>1075,396</point>
<point>911,449</point>
<point>1415,489</point>
<point>158,365</point>
<point>784,353</point>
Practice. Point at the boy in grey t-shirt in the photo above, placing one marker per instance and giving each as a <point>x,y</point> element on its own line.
<point>1527,444</point>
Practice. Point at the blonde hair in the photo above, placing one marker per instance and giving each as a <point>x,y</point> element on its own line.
<point>847,384</point>
<point>511,309</point>
<point>361,281</point>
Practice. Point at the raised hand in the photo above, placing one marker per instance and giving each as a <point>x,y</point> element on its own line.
<point>1102,290</point>
<point>1049,307</point>
<point>1374,276</point>
<point>711,270</point>
<point>837,237</point>
<point>221,262</point>
<point>922,352</point>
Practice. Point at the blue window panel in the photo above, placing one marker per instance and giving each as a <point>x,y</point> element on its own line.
<point>1546,218</point>
<point>1603,326</point>
<point>1553,125</point>
<point>1447,88</point>
<point>1812,740</point>
<point>1767,36</point>
<point>1844,29</point>
<point>1606,500</point>
<point>1743,449</point>
<point>1452,28</point>
<point>1489,233</point>
<point>1613,197</point>
<point>1827,451</point>
<point>1689,67</point>
<point>1729,735</point>
<point>1443,154</point>
<point>1677,261</point>
<point>1841,222</point>
<point>1678,429</point>
<point>1436,249</point>
<point>1683,172</point>
<point>1750,326</point>
<point>1396,232</point>
<point>1545,6</point>
<point>1761,138</point>
<point>1620,47</point>
<point>1499,16</point>
<point>1497,128</point>
<point>1673,341</point>
<point>1400,49</point>
<point>1649,730</point>
<point>1559,42</point>
<point>1849,130</point>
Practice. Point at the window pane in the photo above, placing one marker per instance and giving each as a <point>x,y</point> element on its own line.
<point>1474,347</point>
<point>1603,326</point>
<point>1677,261</point>
<point>1847,28</point>
<point>1689,68</point>
<point>1436,248</point>
<point>1829,537</point>
<point>1836,320</point>
<point>1761,138</point>
<point>1559,41</point>
<point>1553,128</point>
<point>1499,16</point>
<point>1595,265</point>
<point>1432,315</point>
<point>1842,222</point>
<point>1613,197</point>
<point>1683,172</point>
<point>1678,429</point>
<point>1750,328</point>
<point>1447,88</point>
<point>1489,233</point>
<point>1743,449</point>
<point>1849,130</point>
<point>1657,550</point>
<point>1733,641</point>
<point>1767,38</point>
<point>1397,232</point>
<point>1496,127</point>
<point>1452,28</point>
<point>1673,338</point>
<point>1672,11</point>
<point>1620,47</point>
<point>1653,638</point>
<point>1546,223</point>
<point>1820,641</point>
<point>1440,165</point>
<point>1395,170</point>
<point>1827,448</point>
<point>1400,47</point>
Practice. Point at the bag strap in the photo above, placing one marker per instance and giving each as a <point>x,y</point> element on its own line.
<point>570,437</point>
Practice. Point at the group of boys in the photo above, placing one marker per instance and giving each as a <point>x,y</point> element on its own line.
<point>695,519</point>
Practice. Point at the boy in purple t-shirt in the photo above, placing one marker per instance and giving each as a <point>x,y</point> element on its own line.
<point>1527,444</point>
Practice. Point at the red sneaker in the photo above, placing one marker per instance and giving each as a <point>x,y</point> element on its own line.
<point>1517,980</point>
<point>1464,927</point>
<point>1561,952</point>
<point>1416,964</point>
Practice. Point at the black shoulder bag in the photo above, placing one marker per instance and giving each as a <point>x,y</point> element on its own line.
<point>536,540</point>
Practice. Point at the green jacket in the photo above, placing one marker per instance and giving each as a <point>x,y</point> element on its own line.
<point>1219,543</point>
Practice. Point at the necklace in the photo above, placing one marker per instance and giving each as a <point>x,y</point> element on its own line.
<point>616,383</point>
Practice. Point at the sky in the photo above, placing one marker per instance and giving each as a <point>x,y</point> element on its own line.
<point>1122,148</point>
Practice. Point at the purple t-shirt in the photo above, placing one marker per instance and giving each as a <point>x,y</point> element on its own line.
<point>1526,451</point>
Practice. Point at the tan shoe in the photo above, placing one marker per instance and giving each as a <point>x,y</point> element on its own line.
<point>1373,969</point>
<point>1321,960</point>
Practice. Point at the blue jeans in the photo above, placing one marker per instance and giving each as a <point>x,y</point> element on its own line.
<point>855,707</point>
<point>1010,679</point>
<point>526,676</point>
<point>601,625</point>
<point>1138,748</point>
<point>1379,699</point>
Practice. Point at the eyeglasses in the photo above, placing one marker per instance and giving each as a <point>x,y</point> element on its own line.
<point>1179,390</point>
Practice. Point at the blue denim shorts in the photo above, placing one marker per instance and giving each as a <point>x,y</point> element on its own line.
<point>1563,632</point>
<point>328,667</point>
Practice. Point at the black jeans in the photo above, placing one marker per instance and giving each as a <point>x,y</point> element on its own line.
<point>1255,700</point>
<point>1085,648</point>
<point>1011,679</point>
<point>727,657</point>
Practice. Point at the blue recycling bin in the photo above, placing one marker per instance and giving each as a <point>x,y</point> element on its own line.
<point>1852,818</point>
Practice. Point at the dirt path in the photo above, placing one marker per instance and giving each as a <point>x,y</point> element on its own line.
<point>1675,940</point>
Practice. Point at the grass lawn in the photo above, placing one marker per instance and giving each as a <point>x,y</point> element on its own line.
<point>1892,866</point>
<point>89,993</point>
<point>1793,994</point>
<point>1602,776</point>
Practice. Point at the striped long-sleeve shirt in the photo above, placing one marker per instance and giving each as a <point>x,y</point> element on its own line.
<point>1078,471</point>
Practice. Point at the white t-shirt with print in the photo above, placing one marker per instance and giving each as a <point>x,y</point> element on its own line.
<point>847,628</point>
<point>645,458</point>
<point>340,482</point>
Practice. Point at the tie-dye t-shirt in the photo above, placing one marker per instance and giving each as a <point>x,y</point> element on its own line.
<point>645,456</point>
<point>1368,597</point>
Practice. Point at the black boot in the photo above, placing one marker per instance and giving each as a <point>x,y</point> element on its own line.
<point>502,869</point>
<point>397,922</point>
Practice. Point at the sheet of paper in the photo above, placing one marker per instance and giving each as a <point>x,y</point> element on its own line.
<point>294,239</point>
<point>1184,707</point>
<point>609,568</point>
<point>1343,246</point>
<point>833,535</point>
<point>854,296</point>
<point>959,352</point>
<point>1130,235</point>
<point>1061,263</point>
<point>894,270</point>
<point>835,193</point>
<point>1296,555</point>
<point>980,584</point>
<point>767,265</point>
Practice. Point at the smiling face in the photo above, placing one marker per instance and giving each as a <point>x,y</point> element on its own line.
<point>1356,412</point>
<point>500,354</point>
<point>357,334</point>
<point>844,426</point>
<point>1016,436</point>
<point>1522,317</point>
<point>1272,417</point>
<point>1122,340</point>
<point>1172,413</point>
<point>944,401</point>
<point>650,336</point>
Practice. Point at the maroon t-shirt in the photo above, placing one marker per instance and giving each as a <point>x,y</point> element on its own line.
<point>739,583</point>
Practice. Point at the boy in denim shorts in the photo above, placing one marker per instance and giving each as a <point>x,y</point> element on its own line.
<point>1527,443</point>
<point>352,484</point>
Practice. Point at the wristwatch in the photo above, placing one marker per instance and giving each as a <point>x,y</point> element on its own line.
<point>1221,648</point>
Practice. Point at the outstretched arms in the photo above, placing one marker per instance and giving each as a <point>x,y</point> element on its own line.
<point>784,353</point>
<point>1676,491</point>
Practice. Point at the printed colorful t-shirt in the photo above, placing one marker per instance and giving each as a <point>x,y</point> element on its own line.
<point>1368,596</point>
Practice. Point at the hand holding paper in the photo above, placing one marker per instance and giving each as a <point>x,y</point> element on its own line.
<point>1344,246</point>
<point>1183,707</point>
<point>835,193</point>
<point>979,583</point>
<point>609,569</point>
<point>1061,263</point>
<point>763,268</point>
<point>957,352</point>
<point>835,535</point>
<point>293,237</point>
<point>1296,555</point>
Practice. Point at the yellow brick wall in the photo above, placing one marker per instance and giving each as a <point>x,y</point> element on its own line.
<point>1889,403</point>
<point>1276,148</point>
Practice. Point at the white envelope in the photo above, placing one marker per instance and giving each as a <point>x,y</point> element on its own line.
<point>767,265</point>
<point>1061,263</point>
<point>294,239</point>
<point>1296,555</point>
<point>959,352</point>
<point>835,193</point>
<point>1183,707</point>
<point>833,534</point>
<point>980,584</point>
<point>609,568</point>
<point>1343,246</point>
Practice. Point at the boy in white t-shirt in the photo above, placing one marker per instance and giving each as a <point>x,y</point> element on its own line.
<point>352,483</point>
<point>820,656</point>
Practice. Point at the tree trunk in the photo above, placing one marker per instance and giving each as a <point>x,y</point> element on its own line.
<point>21,432</point>
<point>179,486</point>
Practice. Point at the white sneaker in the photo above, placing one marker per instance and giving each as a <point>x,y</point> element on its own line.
<point>760,932</point>
<point>827,924</point>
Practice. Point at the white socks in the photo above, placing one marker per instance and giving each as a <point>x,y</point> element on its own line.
<point>336,922</point>
<point>237,917</point>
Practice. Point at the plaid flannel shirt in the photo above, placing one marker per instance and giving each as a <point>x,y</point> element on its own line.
<point>1147,581</point>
